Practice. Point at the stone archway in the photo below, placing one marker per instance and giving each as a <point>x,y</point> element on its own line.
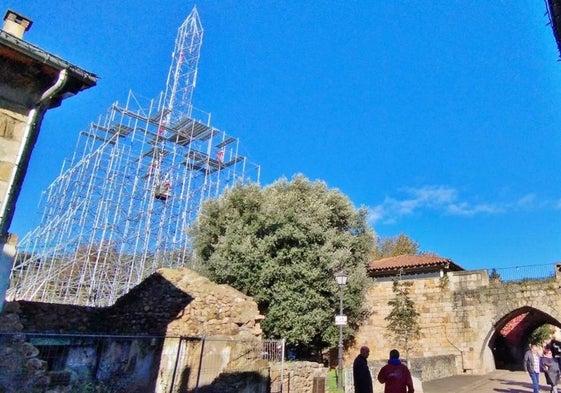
<point>462,318</point>
<point>509,338</point>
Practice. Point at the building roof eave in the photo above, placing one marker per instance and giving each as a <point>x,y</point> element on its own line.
<point>27,49</point>
<point>410,264</point>
<point>21,91</point>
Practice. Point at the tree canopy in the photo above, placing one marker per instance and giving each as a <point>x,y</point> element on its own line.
<point>542,334</point>
<point>281,244</point>
<point>394,246</point>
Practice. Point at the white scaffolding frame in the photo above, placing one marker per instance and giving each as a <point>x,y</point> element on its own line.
<point>135,184</point>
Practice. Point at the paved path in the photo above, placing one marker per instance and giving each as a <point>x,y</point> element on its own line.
<point>500,381</point>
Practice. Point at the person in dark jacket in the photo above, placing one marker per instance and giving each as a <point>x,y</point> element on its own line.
<point>396,375</point>
<point>555,346</point>
<point>532,366</point>
<point>361,373</point>
<point>550,368</point>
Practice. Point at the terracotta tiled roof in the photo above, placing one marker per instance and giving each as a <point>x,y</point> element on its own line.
<point>427,262</point>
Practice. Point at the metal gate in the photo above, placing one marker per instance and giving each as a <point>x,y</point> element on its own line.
<point>208,365</point>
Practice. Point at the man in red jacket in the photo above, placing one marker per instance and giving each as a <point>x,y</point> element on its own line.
<point>396,376</point>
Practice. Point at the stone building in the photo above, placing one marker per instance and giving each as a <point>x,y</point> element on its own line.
<point>153,338</point>
<point>32,81</point>
<point>174,331</point>
<point>429,275</point>
<point>465,317</point>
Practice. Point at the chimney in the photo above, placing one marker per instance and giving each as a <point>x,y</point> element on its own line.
<point>16,24</point>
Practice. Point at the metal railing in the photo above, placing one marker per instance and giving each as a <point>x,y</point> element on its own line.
<point>521,273</point>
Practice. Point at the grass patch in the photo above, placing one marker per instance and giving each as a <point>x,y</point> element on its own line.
<point>332,382</point>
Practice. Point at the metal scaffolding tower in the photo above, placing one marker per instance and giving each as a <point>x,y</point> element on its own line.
<point>123,206</point>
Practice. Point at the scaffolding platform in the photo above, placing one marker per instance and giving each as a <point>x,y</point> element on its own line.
<point>135,184</point>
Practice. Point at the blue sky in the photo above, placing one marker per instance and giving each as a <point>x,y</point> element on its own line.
<point>443,119</point>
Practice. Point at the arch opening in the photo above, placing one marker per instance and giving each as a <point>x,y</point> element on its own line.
<point>511,335</point>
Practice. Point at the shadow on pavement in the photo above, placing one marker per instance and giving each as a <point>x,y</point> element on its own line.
<point>517,386</point>
<point>499,381</point>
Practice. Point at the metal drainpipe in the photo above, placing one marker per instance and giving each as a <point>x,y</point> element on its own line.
<point>30,126</point>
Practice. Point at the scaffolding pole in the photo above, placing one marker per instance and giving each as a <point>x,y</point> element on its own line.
<point>123,205</point>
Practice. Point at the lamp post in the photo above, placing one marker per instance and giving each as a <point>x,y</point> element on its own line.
<point>340,320</point>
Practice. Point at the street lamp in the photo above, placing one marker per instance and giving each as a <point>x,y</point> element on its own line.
<point>340,320</point>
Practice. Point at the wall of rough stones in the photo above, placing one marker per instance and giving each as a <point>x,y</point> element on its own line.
<point>169,302</point>
<point>20,369</point>
<point>178,306</point>
<point>212,309</point>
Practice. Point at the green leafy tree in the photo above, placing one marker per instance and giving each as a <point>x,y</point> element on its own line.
<point>542,334</point>
<point>403,319</point>
<point>281,244</point>
<point>394,246</point>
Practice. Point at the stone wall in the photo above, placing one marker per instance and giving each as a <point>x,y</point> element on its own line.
<point>434,367</point>
<point>432,299</point>
<point>20,368</point>
<point>169,302</point>
<point>194,315</point>
<point>459,316</point>
<point>298,377</point>
<point>213,309</point>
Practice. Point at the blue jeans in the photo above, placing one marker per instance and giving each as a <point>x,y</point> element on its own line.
<point>535,381</point>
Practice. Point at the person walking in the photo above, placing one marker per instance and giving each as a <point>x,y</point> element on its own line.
<point>551,370</point>
<point>361,373</point>
<point>532,366</point>
<point>395,375</point>
<point>555,346</point>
